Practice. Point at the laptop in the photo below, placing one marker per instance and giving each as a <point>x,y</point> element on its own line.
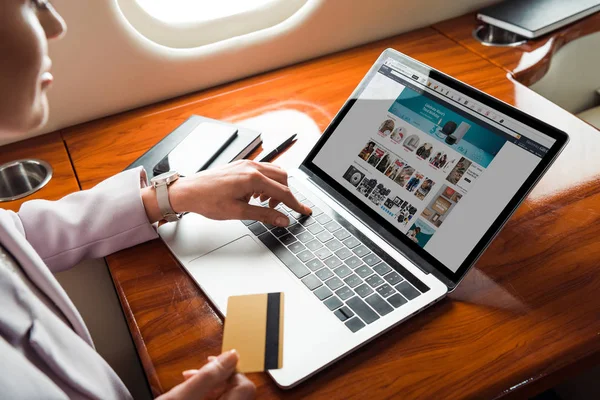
<point>409,184</point>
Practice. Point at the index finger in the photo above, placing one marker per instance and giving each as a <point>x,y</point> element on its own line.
<point>275,190</point>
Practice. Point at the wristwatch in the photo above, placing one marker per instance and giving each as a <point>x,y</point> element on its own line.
<point>161,183</point>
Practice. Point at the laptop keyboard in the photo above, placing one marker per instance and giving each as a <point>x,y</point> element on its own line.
<point>346,271</point>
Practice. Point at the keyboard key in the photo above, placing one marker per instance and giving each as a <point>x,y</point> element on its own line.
<point>334,244</point>
<point>407,290</point>
<point>314,245</point>
<point>305,237</point>
<point>279,231</point>
<point>248,221</point>
<point>341,314</point>
<point>333,303</point>
<point>348,313</point>
<point>397,300</point>
<point>353,280</point>
<point>363,290</point>
<point>363,271</point>
<point>296,248</point>
<point>296,215</point>
<point>342,234</point>
<point>323,292</point>
<point>370,259</point>
<point>354,324</point>
<point>323,253</point>
<point>379,304</point>
<point>385,290</point>
<point>287,239</point>
<point>344,293</point>
<point>323,218</point>
<point>308,203</point>
<point>382,268</point>
<point>333,262</point>
<point>306,221</point>
<point>406,274</point>
<point>311,282</point>
<point>343,253</point>
<point>291,221</point>
<point>334,283</point>
<point>314,264</point>
<point>315,229</point>
<point>393,277</point>
<point>332,226</point>
<point>324,274</point>
<point>374,280</point>
<point>351,242</point>
<point>269,226</point>
<point>316,211</point>
<point>361,250</point>
<point>353,262</point>
<point>293,189</point>
<point>284,255</point>
<point>342,271</point>
<point>324,236</point>
<point>300,197</point>
<point>305,255</point>
<point>296,229</point>
<point>362,309</point>
<point>257,228</point>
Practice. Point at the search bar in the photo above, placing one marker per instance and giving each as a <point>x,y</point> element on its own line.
<point>406,74</point>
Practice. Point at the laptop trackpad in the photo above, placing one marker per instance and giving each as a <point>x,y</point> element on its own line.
<point>240,267</point>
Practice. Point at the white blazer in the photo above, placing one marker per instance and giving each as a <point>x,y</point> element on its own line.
<point>42,357</point>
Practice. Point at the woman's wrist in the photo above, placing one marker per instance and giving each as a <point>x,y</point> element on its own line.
<point>176,199</point>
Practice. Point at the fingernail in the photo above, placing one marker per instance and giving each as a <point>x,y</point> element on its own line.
<point>281,221</point>
<point>211,358</point>
<point>229,359</point>
<point>190,372</point>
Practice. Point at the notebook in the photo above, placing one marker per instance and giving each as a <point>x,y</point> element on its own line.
<point>535,18</point>
<point>246,141</point>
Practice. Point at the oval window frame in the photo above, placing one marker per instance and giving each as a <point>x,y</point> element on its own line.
<point>187,35</point>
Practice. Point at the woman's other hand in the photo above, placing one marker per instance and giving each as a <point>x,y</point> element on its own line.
<point>223,193</point>
<point>215,380</point>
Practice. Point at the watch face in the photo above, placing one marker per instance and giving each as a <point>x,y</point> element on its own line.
<point>167,176</point>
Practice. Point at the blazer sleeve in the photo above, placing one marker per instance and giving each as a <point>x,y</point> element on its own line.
<point>88,224</point>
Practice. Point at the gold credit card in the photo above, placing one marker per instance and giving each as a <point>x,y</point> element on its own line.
<point>254,327</point>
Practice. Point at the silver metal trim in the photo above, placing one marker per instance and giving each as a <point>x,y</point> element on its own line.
<point>34,189</point>
<point>492,36</point>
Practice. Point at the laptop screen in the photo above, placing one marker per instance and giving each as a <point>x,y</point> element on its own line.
<point>433,165</point>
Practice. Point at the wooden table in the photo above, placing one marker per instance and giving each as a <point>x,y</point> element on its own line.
<point>525,317</point>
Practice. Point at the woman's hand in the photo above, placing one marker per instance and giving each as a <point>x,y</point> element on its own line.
<point>215,380</point>
<point>224,193</point>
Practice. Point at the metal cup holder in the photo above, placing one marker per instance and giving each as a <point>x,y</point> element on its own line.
<point>23,177</point>
<point>490,35</point>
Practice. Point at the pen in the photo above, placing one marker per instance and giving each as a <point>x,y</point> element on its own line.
<point>273,153</point>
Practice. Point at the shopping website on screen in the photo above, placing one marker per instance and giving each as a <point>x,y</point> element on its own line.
<point>440,175</point>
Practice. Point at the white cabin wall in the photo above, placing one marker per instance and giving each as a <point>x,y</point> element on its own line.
<point>104,66</point>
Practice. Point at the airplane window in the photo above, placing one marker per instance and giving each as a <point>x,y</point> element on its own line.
<point>195,23</point>
<point>181,11</point>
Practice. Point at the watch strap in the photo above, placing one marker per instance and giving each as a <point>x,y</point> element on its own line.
<point>162,197</point>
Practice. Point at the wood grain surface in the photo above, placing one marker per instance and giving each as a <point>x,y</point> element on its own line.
<point>51,149</point>
<point>527,315</point>
<point>528,62</point>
